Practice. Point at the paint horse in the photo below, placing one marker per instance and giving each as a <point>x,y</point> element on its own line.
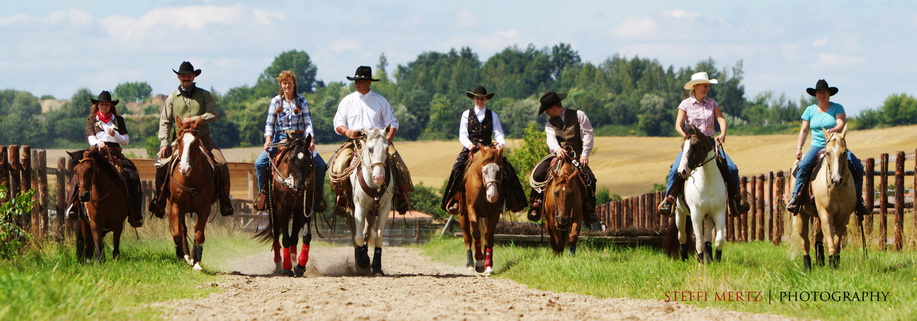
<point>483,204</point>
<point>290,205</point>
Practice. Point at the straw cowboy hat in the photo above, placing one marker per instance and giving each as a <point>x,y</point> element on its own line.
<point>187,68</point>
<point>699,78</point>
<point>104,96</point>
<point>479,92</point>
<point>550,99</point>
<point>363,73</point>
<point>821,85</point>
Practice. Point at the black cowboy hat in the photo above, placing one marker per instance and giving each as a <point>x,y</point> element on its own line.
<point>550,99</point>
<point>104,96</point>
<point>479,92</point>
<point>363,73</point>
<point>187,68</point>
<point>821,85</point>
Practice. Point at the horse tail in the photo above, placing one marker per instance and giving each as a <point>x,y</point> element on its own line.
<point>670,244</point>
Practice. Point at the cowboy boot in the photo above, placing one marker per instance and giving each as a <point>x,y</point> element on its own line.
<point>861,207</point>
<point>589,216</point>
<point>136,217</point>
<point>318,198</point>
<point>158,203</point>
<point>340,205</point>
<point>534,213</point>
<point>738,206</point>
<point>665,207</point>
<point>225,203</point>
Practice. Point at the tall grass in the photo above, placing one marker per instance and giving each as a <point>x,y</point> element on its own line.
<point>646,273</point>
<point>46,281</point>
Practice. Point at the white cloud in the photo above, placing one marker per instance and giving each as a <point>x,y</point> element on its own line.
<point>342,45</point>
<point>178,20</point>
<point>820,42</point>
<point>680,14</point>
<point>636,27</point>
<point>831,61</point>
<point>466,19</point>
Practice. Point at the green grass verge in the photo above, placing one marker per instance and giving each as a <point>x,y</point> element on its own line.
<point>46,282</point>
<point>646,273</point>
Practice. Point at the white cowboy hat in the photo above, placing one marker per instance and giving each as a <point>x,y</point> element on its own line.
<point>699,78</point>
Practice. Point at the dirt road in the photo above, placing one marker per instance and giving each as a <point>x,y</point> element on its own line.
<point>414,288</point>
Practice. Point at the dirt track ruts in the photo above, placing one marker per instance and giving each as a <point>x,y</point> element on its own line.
<point>414,288</point>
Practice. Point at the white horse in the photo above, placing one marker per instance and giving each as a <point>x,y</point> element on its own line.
<point>373,187</point>
<point>704,197</point>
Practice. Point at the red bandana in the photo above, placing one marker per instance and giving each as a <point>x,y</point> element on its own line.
<point>104,118</point>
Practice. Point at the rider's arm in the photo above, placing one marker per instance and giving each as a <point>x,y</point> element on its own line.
<point>210,109</point>
<point>841,122</point>
<point>463,131</point>
<point>498,130</point>
<point>585,127</point>
<point>551,137</point>
<point>718,114</point>
<point>680,121</point>
<point>165,122</point>
<point>803,132</point>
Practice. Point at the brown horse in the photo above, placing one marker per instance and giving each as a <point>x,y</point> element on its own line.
<point>192,189</point>
<point>103,195</point>
<point>563,206</point>
<point>290,200</point>
<point>482,207</point>
<point>835,199</point>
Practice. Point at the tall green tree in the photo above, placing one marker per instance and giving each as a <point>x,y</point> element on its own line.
<point>299,63</point>
<point>137,91</point>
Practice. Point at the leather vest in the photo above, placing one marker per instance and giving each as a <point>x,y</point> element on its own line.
<point>193,107</point>
<point>481,132</point>
<point>567,131</point>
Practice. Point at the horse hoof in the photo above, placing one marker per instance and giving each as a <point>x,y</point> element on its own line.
<point>378,273</point>
<point>470,268</point>
<point>479,268</point>
<point>299,270</point>
<point>197,267</point>
<point>188,260</point>
<point>488,271</point>
<point>287,273</point>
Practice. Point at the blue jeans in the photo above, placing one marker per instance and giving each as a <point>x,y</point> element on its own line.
<point>263,164</point>
<point>808,162</point>
<point>674,169</point>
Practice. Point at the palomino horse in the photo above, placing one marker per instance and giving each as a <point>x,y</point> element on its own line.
<point>290,201</point>
<point>193,190</point>
<point>372,198</point>
<point>806,217</point>
<point>835,199</point>
<point>483,204</point>
<point>704,198</point>
<point>563,205</point>
<point>105,205</point>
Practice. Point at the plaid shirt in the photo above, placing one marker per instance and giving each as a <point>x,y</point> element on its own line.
<point>287,120</point>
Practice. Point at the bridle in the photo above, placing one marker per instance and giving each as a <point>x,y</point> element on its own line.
<point>92,176</point>
<point>196,189</point>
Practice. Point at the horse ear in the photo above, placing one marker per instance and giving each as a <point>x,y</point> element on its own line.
<point>308,140</point>
<point>197,122</point>
<point>844,131</point>
<point>388,128</point>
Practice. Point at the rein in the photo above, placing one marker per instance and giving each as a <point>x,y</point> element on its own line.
<point>92,182</point>
<point>376,194</point>
<point>196,189</point>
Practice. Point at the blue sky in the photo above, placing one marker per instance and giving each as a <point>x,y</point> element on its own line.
<point>865,48</point>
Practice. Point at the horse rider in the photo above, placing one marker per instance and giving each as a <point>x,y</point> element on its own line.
<point>107,131</point>
<point>569,135</point>
<point>288,116</point>
<point>480,126</point>
<point>191,103</point>
<point>822,118</point>
<point>360,110</point>
<point>703,112</point>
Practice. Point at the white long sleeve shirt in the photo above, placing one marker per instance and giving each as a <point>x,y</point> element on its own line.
<point>480,113</point>
<point>585,128</point>
<point>104,137</point>
<point>358,111</point>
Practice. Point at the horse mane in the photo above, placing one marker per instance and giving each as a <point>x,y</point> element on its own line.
<point>102,163</point>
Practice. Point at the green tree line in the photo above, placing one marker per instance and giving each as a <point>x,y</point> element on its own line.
<point>623,96</point>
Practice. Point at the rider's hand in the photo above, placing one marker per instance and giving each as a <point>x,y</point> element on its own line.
<point>266,144</point>
<point>110,131</point>
<point>312,146</point>
<point>162,151</point>
<point>561,153</point>
<point>584,161</point>
<point>352,134</point>
<point>473,147</point>
<point>798,154</point>
<point>721,138</point>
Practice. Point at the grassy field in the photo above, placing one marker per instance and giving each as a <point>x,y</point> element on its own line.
<point>46,282</point>
<point>747,269</point>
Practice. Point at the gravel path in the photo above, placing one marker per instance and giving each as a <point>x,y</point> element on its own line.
<point>414,288</point>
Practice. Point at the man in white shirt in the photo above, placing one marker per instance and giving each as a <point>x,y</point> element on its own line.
<point>360,110</point>
<point>483,128</point>
<point>565,129</point>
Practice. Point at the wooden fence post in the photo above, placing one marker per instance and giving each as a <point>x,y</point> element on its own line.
<point>759,190</point>
<point>42,164</point>
<point>753,213</point>
<point>899,200</point>
<point>870,191</point>
<point>4,174</point>
<point>771,228</point>
<point>743,222</point>
<point>779,209</point>
<point>61,194</point>
<point>14,170</point>
<point>883,201</point>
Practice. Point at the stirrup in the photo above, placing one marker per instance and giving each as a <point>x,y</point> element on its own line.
<point>665,208</point>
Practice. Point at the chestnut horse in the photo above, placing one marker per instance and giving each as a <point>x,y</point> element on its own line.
<point>290,201</point>
<point>563,205</point>
<point>103,194</point>
<point>193,190</point>
<point>483,205</point>
<point>835,199</point>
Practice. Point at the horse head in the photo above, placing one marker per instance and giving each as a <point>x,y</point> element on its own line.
<point>836,156</point>
<point>187,138</point>
<point>85,171</point>
<point>566,193</point>
<point>490,159</point>
<point>694,152</point>
<point>375,152</point>
<point>298,157</point>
